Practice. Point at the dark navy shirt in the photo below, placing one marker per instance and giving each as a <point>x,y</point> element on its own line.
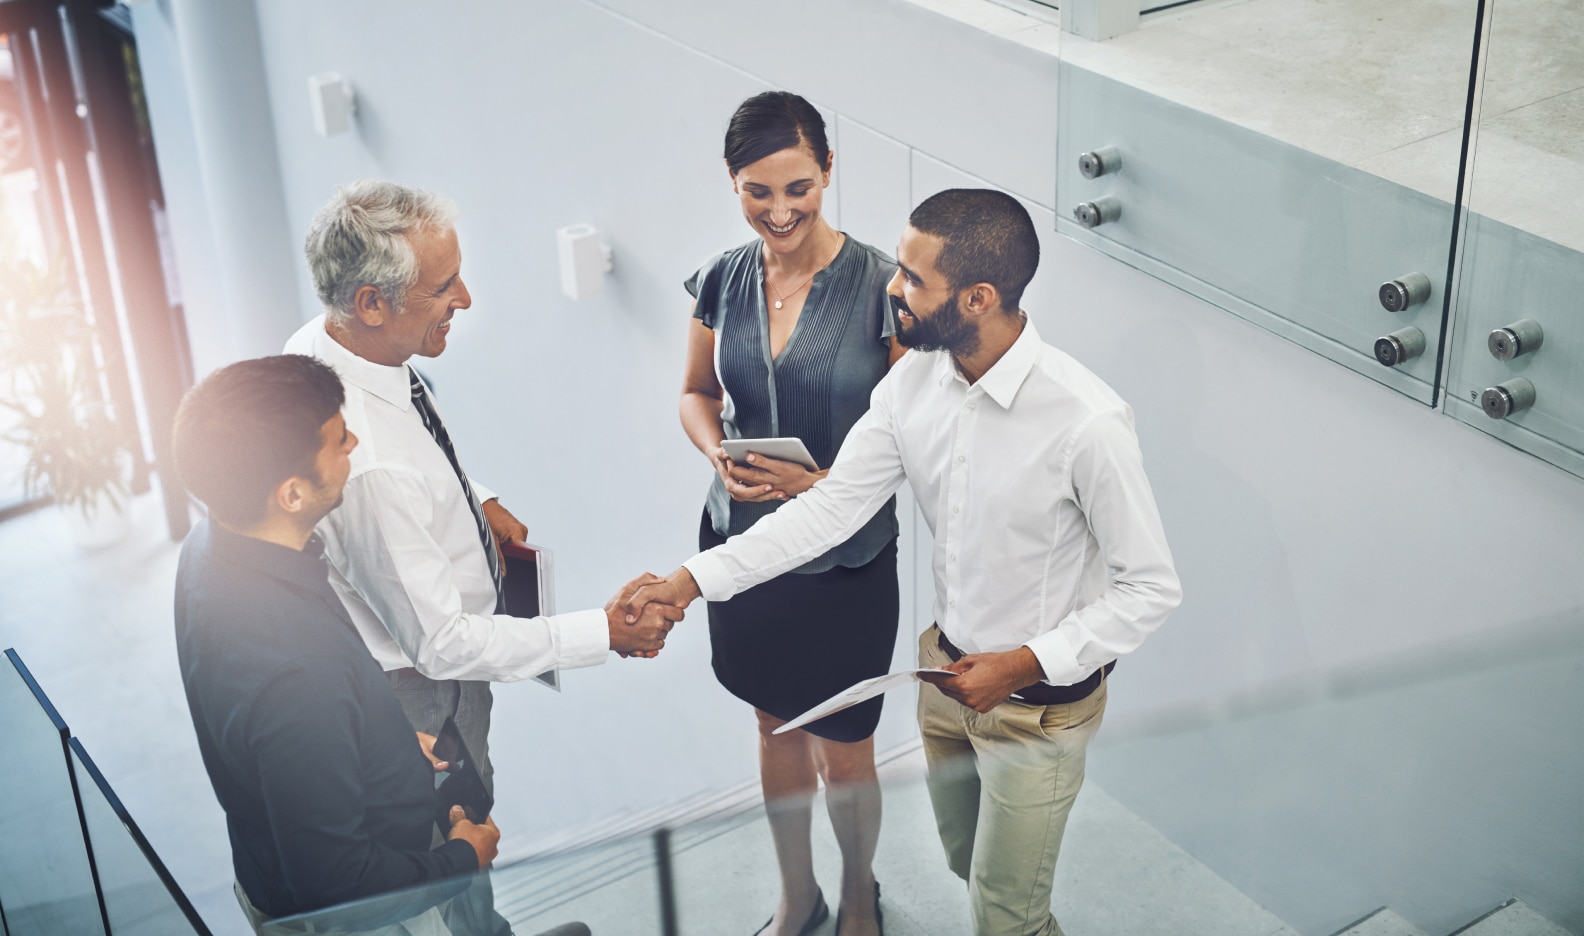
<point>328,797</point>
<point>816,388</point>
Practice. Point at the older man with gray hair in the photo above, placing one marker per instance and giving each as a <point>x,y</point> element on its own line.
<point>413,548</point>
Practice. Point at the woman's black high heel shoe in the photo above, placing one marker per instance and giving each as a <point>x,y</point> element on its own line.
<point>818,915</point>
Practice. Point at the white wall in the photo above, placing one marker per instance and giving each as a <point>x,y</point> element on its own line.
<point>1321,523</point>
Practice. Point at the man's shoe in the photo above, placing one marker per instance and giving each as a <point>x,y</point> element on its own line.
<point>818,915</point>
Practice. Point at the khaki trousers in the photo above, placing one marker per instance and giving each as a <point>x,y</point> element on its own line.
<point>1002,785</point>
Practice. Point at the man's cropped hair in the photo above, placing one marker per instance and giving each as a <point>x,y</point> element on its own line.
<point>360,238</point>
<point>250,426</point>
<point>989,238</point>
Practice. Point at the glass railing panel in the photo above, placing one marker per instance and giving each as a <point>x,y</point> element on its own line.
<point>1287,160</point>
<point>46,877</point>
<point>140,896</point>
<point>1325,799</point>
<point>609,887</point>
<point>1517,365</point>
<point>727,878</point>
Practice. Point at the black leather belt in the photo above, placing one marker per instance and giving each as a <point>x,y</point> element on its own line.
<point>1041,693</point>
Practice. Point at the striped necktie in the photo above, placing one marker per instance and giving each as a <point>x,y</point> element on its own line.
<point>431,422</point>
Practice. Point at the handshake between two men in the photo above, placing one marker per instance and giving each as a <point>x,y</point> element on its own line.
<point>642,632</point>
<point>639,635</point>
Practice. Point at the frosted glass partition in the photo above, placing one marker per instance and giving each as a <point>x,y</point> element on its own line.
<point>1517,363</point>
<point>46,876</point>
<point>140,896</point>
<point>1307,186</point>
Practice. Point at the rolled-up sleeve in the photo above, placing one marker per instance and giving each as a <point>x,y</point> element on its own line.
<point>382,544</point>
<point>1111,489</point>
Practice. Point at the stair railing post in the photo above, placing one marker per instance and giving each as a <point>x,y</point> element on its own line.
<point>666,882</point>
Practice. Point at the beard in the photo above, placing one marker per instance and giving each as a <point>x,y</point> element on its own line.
<point>943,329</point>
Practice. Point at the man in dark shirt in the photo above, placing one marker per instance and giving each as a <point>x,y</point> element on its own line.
<point>328,794</point>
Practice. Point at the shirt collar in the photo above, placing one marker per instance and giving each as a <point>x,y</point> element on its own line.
<point>1003,380</point>
<point>305,567</point>
<point>391,384</point>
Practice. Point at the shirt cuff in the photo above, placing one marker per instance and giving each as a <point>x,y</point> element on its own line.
<point>582,638</point>
<point>714,580</point>
<point>1058,659</point>
<point>484,494</point>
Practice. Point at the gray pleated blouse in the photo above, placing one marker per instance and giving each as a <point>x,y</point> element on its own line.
<point>820,384</point>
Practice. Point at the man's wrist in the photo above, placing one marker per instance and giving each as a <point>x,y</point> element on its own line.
<point>688,585</point>
<point>1030,665</point>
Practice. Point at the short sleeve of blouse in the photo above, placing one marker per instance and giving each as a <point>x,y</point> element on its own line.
<point>705,288</point>
<point>885,269</point>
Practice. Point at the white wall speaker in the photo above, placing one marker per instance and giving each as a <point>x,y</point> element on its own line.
<point>584,260</point>
<point>333,102</point>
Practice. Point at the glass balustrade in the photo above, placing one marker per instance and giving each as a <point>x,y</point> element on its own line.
<point>1292,161</point>
<point>713,874</point>
<point>1517,363</point>
<point>47,882</point>
<point>72,860</point>
<point>139,895</point>
<point>612,886</point>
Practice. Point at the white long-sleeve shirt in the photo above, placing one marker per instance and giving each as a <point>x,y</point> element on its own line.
<point>404,549</point>
<point>1046,532</point>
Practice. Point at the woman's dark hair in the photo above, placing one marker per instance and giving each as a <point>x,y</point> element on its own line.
<point>988,237</point>
<point>771,122</point>
<point>249,426</point>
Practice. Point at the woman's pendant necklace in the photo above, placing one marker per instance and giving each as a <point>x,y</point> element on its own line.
<point>791,291</point>
<point>810,278</point>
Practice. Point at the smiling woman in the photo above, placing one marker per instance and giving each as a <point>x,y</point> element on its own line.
<point>792,332</point>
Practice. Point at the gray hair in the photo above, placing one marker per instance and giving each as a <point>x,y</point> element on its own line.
<point>361,239</point>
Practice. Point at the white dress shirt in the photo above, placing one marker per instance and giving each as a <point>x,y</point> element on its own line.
<point>1046,532</point>
<point>404,549</point>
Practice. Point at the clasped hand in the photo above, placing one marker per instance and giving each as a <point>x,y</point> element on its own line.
<point>484,837</point>
<point>643,634</point>
<point>646,593</point>
<point>762,478</point>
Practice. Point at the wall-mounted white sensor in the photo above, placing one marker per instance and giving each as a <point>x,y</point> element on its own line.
<point>333,101</point>
<point>584,260</point>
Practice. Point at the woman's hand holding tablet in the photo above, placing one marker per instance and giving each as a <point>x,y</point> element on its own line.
<point>789,448</point>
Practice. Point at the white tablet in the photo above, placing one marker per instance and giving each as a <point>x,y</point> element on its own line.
<point>789,449</point>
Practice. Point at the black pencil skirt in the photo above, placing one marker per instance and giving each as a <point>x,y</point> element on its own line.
<point>791,643</point>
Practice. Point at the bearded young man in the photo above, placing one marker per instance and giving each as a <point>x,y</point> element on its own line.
<point>1050,561</point>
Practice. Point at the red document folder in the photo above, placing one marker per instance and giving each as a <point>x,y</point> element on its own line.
<point>530,588</point>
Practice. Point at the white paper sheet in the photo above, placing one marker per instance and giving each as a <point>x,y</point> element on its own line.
<point>856,693</point>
